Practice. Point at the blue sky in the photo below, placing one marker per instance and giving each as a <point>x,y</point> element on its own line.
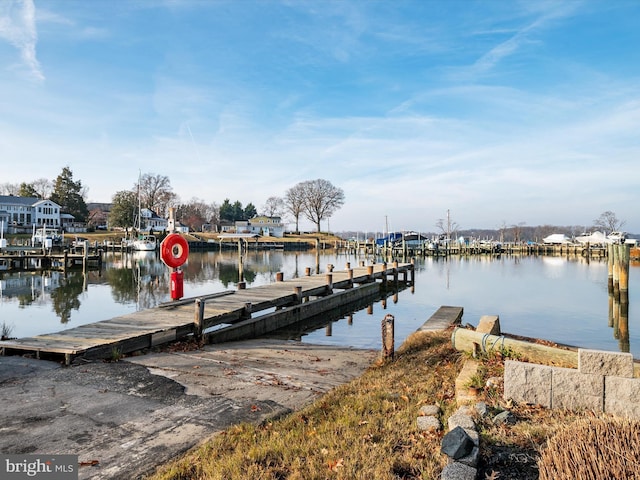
<point>502,112</point>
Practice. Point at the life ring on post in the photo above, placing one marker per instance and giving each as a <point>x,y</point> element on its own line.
<point>174,250</point>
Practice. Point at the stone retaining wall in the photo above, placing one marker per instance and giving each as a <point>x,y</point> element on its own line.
<point>603,382</point>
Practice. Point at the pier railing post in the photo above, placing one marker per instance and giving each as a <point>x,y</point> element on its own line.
<point>307,272</point>
<point>370,273</point>
<point>384,274</point>
<point>298,291</point>
<point>350,273</point>
<point>279,277</point>
<point>329,277</point>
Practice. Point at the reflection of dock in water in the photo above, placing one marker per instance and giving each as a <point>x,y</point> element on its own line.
<point>219,317</point>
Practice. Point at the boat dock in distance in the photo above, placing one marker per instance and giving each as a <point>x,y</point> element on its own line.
<point>220,317</point>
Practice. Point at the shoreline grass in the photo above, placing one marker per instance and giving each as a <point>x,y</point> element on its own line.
<point>364,429</point>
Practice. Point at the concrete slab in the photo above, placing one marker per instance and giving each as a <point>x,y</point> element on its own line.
<point>134,415</point>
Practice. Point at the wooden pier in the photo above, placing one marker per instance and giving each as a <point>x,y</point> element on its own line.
<point>25,260</point>
<point>406,250</point>
<point>220,317</point>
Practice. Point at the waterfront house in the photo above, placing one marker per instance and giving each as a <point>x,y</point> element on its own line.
<point>22,214</point>
<point>262,225</point>
<point>152,221</point>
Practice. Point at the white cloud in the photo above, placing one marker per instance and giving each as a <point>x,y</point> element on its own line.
<point>18,27</point>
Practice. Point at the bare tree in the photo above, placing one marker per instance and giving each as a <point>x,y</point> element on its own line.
<point>273,207</point>
<point>447,226</point>
<point>609,222</point>
<point>43,187</point>
<point>155,193</point>
<point>294,203</point>
<point>9,188</point>
<point>321,200</point>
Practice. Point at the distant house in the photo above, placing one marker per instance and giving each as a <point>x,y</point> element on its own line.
<point>20,214</point>
<point>262,225</point>
<point>99,215</point>
<point>152,221</point>
<point>226,226</point>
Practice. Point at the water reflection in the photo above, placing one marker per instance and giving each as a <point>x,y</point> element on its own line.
<point>563,299</point>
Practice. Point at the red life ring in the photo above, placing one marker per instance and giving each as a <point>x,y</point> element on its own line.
<point>174,250</point>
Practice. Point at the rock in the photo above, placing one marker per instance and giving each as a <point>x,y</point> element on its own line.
<point>458,471</point>
<point>457,443</point>
<point>482,409</point>
<point>432,410</point>
<point>489,324</point>
<point>429,423</point>
<point>505,417</point>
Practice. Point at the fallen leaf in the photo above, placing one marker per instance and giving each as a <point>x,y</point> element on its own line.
<point>334,466</point>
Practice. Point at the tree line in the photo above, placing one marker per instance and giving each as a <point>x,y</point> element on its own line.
<point>316,200</point>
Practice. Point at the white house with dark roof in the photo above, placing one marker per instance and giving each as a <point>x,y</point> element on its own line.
<point>22,213</point>
<point>152,221</point>
<point>262,225</point>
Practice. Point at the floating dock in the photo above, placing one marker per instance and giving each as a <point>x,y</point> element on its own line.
<point>221,317</point>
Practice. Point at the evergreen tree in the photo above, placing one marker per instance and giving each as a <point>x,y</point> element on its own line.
<point>27,190</point>
<point>123,207</point>
<point>69,195</point>
<point>250,211</point>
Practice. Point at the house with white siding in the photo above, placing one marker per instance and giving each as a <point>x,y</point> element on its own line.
<point>262,225</point>
<point>23,213</point>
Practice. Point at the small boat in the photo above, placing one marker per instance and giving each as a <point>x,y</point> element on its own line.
<point>617,237</point>
<point>144,243</point>
<point>556,239</point>
<point>593,238</point>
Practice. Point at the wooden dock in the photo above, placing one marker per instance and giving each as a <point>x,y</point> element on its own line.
<point>226,316</point>
<point>30,259</point>
<point>442,319</point>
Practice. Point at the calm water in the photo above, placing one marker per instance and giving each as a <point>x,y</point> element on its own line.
<point>559,299</point>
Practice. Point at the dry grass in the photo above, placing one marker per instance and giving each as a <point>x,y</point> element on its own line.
<point>367,430</point>
<point>363,430</point>
<point>593,448</point>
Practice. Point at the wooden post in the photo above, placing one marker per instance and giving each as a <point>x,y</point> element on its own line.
<point>610,267</point>
<point>350,272</point>
<point>329,277</point>
<point>198,319</point>
<point>247,310</point>
<point>616,272</point>
<point>298,291</point>
<point>279,277</point>
<point>307,272</point>
<point>388,336</point>
<point>384,274</point>
<point>625,253</point>
<point>242,285</point>
<point>370,273</point>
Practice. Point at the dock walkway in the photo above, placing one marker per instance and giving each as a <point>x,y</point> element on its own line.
<point>225,316</point>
